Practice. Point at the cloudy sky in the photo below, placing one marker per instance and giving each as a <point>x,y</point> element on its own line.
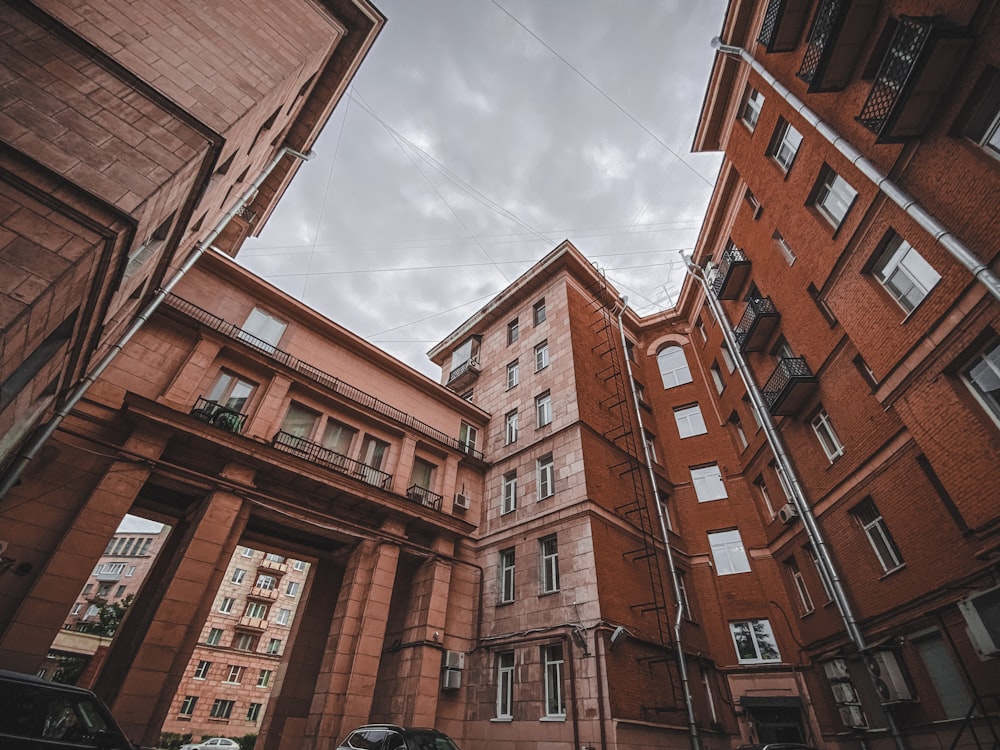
<point>478,135</point>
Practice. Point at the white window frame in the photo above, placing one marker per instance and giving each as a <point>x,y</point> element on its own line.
<point>235,676</point>
<point>201,671</point>
<point>262,330</point>
<point>505,685</point>
<point>787,141</point>
<point>222,708</point>
<point>822,426</point>
<point>508,493</point>
<point>650,441</point>
<point>734,420</point>
<point>727,357</point>
<point>256,610</point>
<point>720,384</point>
<point>982,372</point>
<point>543,408</point>
<point>673,365</point>
<point>753,103</point>
<point>538,314</point>
<point>545,476</point>
<point>876,530</point>
<point>758,631</point>
<point>834,197</point>
<point>799,582</point>
<point>513,374</point>
<point>541,356</point>
<point>513,331</point>
<point>905,274</point>
<point>510,427</point>
<point>239,574</point>
<point>784,247</point>
<point>708,483</point>
<point>253,711</point>
<point>226,605</point>
<point>548,551</point>
<point>506,562</point>
<point>283,617</point>
<point>690,421</point>
<point>292,589</point>
<point>187,705</point>
<point>728,552</point>
<point>552,668</point>
<point>214,637</point>
<point>264,677</point>
<point>274,646</point>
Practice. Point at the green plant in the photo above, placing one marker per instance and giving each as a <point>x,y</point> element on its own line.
<point>247,741</point>
<point>172,740</point>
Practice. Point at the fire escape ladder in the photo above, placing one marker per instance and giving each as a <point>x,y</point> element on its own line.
<point>617,404</point>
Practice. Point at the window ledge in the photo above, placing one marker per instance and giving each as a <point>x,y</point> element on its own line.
<point>553,718</point>
<point>892,572</point>
<point>501,719</point>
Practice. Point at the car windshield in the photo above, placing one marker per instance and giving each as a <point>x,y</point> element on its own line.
<point>417,740</point>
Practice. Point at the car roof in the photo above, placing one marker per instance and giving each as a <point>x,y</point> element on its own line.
<point>30,679</point>
<point>397,728</point>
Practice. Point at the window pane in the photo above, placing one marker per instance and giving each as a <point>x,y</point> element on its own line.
<point>673,367</point>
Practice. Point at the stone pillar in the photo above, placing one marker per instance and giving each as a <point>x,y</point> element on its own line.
<point>268,415</point>
<point>404,466</point>
<point>155,643</point>
<point>184,390</point>
<point>448,483</point>
<point>345,686</point>
<point>66,533</point>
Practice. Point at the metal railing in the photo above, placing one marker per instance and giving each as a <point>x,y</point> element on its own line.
<point>468,366</point>
<point>788,369</point>
<point>757,308</point>
<point>331,459</point>
<point>730,257</point>
<point>771,16</point>
<point>315,374</point>
<point>216,414</point>
<point>819,37</point>
<point>898,64</point>
<point>424,496</point>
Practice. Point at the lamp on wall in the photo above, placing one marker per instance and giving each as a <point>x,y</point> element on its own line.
<point>618,633</point>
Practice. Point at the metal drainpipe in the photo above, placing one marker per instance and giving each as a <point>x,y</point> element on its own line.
<point>826,565</point>
<point>952,245</point>
<point>664,524</point>
<point>26,455</point>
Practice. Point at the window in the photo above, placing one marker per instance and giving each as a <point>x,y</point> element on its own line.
<point>505,685</point>
<point>214,637</point>
<point>255,610</point>
<point>904,273</point>
<point>765,494</point>
<point>720,384</point>
<point>76,609</point>
<point>552,661</point>
<point>640,393</point>
<point>982,377</point>
<point>784,247</point>
<point>231,392</point>
<point>983,125</point>
<point>299,565</point>
<point>833,196</point>
<point>753,202</point>
<point>293,588</point>
<point>422,474</point>
<point>221,709</point>
<point>238,575</point>
<point>87,589</point>
<point>510,431</point>
<point>752,104</point>
<point>338,437</point>
<point>673,366</point>
<point>549,550</point>
<point>543,408</point>
<point>130,572</point>
<point>283,617</point>
<point>465,355</point>
<point>805,600</point>
<point>819,572</point>
<point>685,603</point>
<point>708,484</point>
<point>264,678</point>
<point>505,572</point>
<point>542,356</point>
<point>513,332</point>
<point>753,412</point>
<point>689,420</point>
<point>945,675</point>
<point>508,492</point>
<point>513,374</point>
<point>271,557</point>
<point>227,605</point>
<point>253,711</point>
<point>373,453</point>
<point>785,144</point>
<point>538,311</point>
<point>188,704</point>
<point>699,326</point>
<point>246,552</point>
<point>727,357</point>
<point>468,436</point>
<point>828,439</point>
<point>741,436</point>
<point>630,350</point>
<point>274,646</point>
<point>266,582</point>
<point>650,441</point>
<point>235,675</point>
<point>754,641</point>
<point>201,671</point>
<point>728,552</point>
<point>545,474</point>
<point>299,421</point>
<point>875,529</point>
<point>262,330</point>
<point>245,642</point>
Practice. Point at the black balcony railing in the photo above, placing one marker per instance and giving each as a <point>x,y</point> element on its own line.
<point>757,324</point>
<point>221,416</point>
<point>915,73</point>
<point>465,372</point>
<point>783,23</point>
<point>819,37</point>
<point>424,496</point>
<point>789,386</point>
<point>839,33</point>
<point>733,270</point>
<point>315,374</point>
<point>316,453</point>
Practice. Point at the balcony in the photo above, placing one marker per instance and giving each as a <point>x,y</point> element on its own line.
<point>252,624</point>
<point>915,74</point>
<point>280,567</point>
<point>759,321</point>
<point>790,386</point>
<point>838,35</point>
<point>263,594</point>
<point>316,453</point>
<point>731,274</point>
<point>783,24</point>
<point>109,576</point>
<point>216,414</point>
<point>464,375</point>
<point>424,497</point>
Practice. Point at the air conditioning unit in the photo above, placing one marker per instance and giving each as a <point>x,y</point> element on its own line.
<point>843,692</point>
<point>836,669</point>
<point>451,679</point>
<point>454,660</point>
<point>853,716</point>
<point>891,681</point>
<point>787,513</point>
<point>461,501</point>
<point>982,616</point>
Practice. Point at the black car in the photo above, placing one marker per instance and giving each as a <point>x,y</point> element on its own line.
<point>39,715</point>
<point>776,746</point>
<point>392,737</point>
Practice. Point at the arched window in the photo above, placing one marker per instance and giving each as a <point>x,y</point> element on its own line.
<point>673,366</point>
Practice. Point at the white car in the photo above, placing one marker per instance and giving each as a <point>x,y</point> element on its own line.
<point>215,743</point>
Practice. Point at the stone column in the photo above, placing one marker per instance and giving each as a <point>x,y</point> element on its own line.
<point>155,643</point>
<point>345,686</point>
<point>404,466</point>
<point>183,391</point>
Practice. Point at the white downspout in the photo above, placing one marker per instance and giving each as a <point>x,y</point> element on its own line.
<point>31,448</point>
